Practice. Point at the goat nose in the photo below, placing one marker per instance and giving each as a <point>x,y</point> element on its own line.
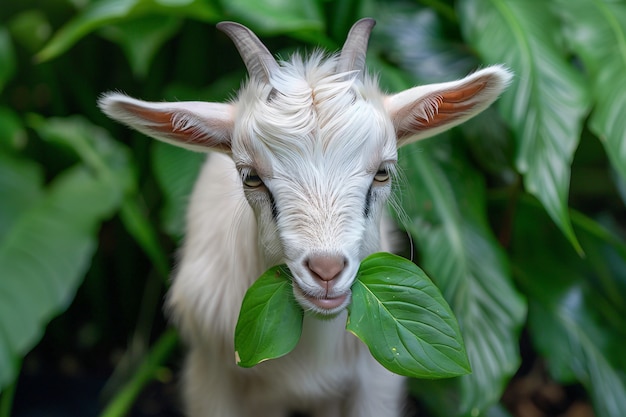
<point>326,267</point>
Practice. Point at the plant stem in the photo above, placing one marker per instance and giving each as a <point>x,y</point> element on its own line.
<point>123,401</point>
<point>6,400</point>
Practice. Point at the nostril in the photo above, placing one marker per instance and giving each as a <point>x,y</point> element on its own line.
<point>326,267</point>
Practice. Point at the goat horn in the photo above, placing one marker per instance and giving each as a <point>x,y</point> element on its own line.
<point>259,61</point>
<point>352,56</point>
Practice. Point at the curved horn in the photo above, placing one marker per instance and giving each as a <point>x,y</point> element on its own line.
<point>352,56</point>
<point>259,61</point>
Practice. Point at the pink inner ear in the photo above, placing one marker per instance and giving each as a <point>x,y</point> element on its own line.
<point>160,121</point>
<point>169,124</point>
<point>439,109</point>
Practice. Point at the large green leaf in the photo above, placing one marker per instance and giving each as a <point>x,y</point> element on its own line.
<point>404,320</point>
<point>270,320</point>
<point>596,32</point>
<point>577,306</point>
<point>50,235</point>
<point>44,256</point>
<point>104,12</point>
<point>445,203</point>
<point>547,102</point>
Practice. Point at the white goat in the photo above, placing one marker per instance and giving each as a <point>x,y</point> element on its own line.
<point>303,168</point>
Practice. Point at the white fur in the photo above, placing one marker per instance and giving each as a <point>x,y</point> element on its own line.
<point>316,139</point>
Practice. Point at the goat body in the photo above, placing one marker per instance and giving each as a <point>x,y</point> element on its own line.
<point>303,167</point>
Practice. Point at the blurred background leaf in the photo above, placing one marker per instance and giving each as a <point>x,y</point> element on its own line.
<point>444,201</point>
<point>599,40</point>
<point>547,101</point>
<point>44,256</point>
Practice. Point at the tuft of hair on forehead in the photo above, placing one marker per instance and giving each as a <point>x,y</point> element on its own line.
<point>307,103</point>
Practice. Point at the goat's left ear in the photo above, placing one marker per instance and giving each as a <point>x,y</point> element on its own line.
<point>194,125</point>
<point>424,111</point>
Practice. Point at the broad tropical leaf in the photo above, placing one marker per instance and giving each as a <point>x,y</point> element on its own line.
<point>547,102</point>
<point>270,320</point>
<point>404,320</point>
<point>50,235</point>
<point>596,32</point>
<point>445,202</point>
<point>44,256</point>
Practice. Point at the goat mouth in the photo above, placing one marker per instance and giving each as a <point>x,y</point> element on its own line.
<point>325,304</point>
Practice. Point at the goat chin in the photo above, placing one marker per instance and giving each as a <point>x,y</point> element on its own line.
<point>329,373</point>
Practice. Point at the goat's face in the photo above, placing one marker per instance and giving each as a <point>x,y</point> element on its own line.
<point>315,143</point>
<point>316,160</point>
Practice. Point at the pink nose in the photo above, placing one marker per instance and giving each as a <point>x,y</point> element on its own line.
<point>325,267</point>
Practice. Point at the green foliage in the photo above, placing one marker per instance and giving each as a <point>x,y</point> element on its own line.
<point>547,102</point>
<point>270,320</point>
<point>396,311</point>
<point>517,216</point>
<point>402,317</point>
<point>448,219</point>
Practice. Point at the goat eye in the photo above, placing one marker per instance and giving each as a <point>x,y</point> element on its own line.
<point>382,175</point>
<point>252,180</point>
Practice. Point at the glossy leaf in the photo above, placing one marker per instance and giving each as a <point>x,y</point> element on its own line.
<point>270,319</point>
<point>596,32</point>
<point>547,101</point>
<point>445,203</point>
<point>44,256</point>
<point>101,13</point>
<point>577,306</point>
<point>404,320</point>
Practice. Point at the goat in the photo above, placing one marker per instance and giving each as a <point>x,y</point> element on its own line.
<point>302,169</point>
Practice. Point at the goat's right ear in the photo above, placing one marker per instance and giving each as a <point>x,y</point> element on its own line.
<point>194,125</point>
<point>424,111</point>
